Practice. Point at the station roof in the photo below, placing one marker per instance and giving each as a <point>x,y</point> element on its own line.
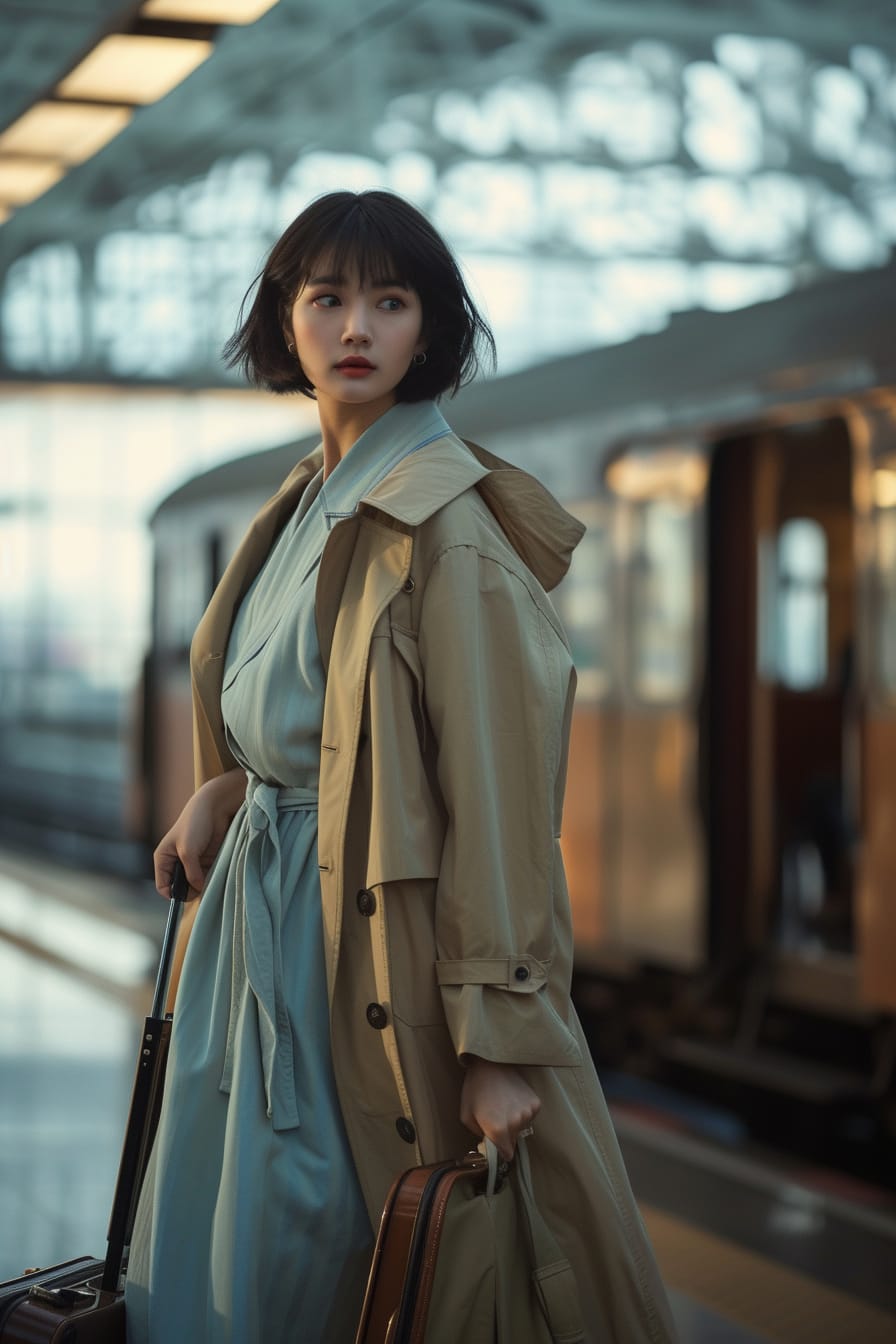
<point>600,165</point>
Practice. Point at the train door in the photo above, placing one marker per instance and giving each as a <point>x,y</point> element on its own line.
<point>652,836</point>
<point>585,603</point>
<point>782,712</point>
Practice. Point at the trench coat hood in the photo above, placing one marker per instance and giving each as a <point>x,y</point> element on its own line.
<point>541,532</point>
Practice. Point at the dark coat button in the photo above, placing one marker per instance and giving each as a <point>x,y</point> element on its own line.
<point>409,585</point>
<point>366,901</point>
<point>377,1016</point>
<point>522,973</point>
<point>405,1129</point>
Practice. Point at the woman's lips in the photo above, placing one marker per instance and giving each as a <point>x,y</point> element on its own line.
<point>355,368</point>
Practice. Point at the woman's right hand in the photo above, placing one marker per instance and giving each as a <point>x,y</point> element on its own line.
<point>497,1103</point>
<point>199,831</point>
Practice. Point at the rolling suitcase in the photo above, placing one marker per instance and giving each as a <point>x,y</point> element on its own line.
<point>82,1301</point>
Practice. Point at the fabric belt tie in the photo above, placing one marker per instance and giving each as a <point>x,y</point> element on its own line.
<point>257,950</point>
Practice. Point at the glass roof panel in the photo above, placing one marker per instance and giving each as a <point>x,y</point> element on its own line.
<point>589,197</point>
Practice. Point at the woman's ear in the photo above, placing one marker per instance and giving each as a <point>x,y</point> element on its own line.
<point>424,339</point>
<point>288,335</point>
<point>284,313</point>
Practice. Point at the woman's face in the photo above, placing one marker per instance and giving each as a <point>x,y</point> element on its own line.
<point>356,342</point>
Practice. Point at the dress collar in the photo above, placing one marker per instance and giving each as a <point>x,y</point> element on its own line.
<point>403,429</point>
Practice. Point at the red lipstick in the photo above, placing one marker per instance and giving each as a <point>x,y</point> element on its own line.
<point>355,364</point>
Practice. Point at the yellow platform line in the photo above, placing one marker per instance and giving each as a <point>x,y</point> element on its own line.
<point>778,1304</point>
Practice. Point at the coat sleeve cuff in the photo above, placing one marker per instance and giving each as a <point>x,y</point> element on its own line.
<point>495,1011</point>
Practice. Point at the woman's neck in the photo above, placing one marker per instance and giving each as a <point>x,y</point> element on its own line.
<point>341,425</point>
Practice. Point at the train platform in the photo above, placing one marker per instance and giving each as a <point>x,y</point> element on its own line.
<point>753,1246</point>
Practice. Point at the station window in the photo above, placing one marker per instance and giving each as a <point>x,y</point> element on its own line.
<point>801,605</point>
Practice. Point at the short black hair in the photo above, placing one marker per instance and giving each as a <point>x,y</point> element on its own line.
<point>385,238</point>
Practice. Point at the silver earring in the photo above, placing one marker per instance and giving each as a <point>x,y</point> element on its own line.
<point>291,347</point>
<point>420,359</point>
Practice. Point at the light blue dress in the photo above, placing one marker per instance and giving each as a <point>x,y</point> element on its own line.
<point>251,1227</point>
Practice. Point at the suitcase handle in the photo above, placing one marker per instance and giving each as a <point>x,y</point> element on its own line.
<point>180,891</point>
<point>146,1096</point>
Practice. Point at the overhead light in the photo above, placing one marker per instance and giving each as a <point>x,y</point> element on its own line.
<point>22,179</point>
<point>133,68</point>
<point>207,11</point>
<point>70,132</point>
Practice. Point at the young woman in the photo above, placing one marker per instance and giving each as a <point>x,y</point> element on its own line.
<point>380,961</point>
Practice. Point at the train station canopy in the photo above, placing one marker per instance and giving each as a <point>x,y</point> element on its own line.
<point>597,166</point>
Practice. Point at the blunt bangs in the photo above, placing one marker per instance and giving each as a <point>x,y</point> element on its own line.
<point>385,240</point>
<point>359,248</point>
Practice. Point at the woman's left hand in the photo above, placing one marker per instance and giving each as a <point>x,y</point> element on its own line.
<point>497,1102</point>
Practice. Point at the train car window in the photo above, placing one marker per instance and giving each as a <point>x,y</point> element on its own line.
<point>182,592</point>
<point>884,626</point>
<point>662,600</point>
<point>584,602</point>
<point>801,605</point>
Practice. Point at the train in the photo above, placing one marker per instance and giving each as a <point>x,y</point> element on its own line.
<point>730,816</point>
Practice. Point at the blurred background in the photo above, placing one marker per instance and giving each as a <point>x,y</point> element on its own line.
<point>679,219</point>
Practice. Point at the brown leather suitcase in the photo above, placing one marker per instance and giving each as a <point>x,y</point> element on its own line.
<point>82,1301</point>
<point>501,1268</point>
<point>399,1288</point>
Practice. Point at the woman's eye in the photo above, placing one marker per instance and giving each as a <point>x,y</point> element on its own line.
<point>392,305</point>
<point>325,300</point>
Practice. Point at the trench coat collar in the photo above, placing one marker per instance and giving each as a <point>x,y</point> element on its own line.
<point>405,428</point>
<point>540,530</point>
<point>543,534</point>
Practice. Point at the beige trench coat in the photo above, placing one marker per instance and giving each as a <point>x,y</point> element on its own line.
<point>446,719</point>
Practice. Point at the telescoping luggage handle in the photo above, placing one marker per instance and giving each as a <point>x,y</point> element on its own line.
<point>180,891</point>
<point>146,1096</point>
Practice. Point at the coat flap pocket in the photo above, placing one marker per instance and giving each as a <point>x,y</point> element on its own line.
<point>557,1293</point>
